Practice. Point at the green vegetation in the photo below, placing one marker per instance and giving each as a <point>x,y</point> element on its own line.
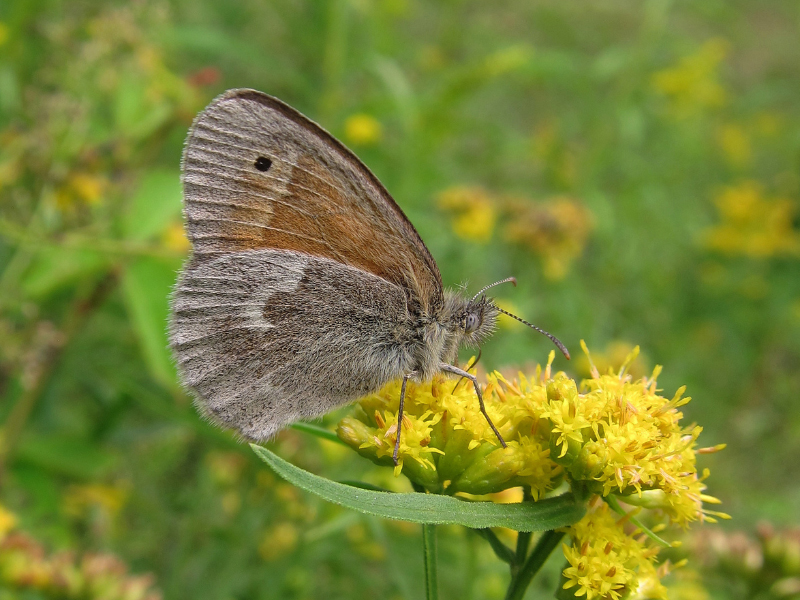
<point>633,164</point>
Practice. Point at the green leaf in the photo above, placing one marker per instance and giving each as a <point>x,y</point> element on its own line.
<point>55,268</point>
<point>66,455</point>
<point>430,508</point>
<point>156,204</point>
<point>146,286</point>
<point>316,430</point>
<point>137,116</point>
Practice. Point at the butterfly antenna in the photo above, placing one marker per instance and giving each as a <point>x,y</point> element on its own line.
<point>553,338</point>
<point>491,285</point>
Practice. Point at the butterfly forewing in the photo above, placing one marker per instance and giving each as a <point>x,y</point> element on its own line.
<point>258,174</point>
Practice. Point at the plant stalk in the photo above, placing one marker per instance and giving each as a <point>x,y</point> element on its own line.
<point>429,554</point>
<point>544,547</point>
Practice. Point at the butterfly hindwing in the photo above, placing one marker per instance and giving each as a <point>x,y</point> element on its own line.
<point>267,337</point>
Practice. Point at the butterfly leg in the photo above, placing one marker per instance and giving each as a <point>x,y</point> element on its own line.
<point>469,367</point>
<point>474,380</point>
<point>406,377</point>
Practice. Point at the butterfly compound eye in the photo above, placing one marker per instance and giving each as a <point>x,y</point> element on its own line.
<point>471,323</point>
<point>263,163</point>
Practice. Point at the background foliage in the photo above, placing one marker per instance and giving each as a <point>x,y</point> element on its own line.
<point>634,165</point>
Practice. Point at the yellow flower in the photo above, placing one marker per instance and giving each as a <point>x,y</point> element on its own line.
<point>474,212</point>
<point>735,144</point>
<point>607,563</point>
<point>362,130</point>
<point>557,231</point>
<point>693,84</point>
<point>7,521</point>
<point>27,570</point>
<point>615,353</point>
<point>174,238</point>
<point>80,188</point>
<point>80,499</point>
<point>752,224</point>
<point>279,541</point>
<point>612,435</point>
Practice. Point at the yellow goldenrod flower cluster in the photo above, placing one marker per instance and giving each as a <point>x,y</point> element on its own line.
<point>753,224</point>
<point>80,188</point>
<point>26,568</point>
<point>610,437</point>
<point>614,354</point>
<point>735,143</point>
<point>556,230</point>
<point>363,130</point>
<point>606,562</point>
<point>694,84</point>
<point>475,212</point>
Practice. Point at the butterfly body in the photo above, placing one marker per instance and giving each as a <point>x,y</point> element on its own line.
<point>266,337</point>
<point>307,287</point>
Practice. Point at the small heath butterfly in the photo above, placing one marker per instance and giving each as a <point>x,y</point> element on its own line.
<point>307,287</point>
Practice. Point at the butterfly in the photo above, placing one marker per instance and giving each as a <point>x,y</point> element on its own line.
<point>307,287</point>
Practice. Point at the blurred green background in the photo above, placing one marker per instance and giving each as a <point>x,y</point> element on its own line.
<point>636,165</point>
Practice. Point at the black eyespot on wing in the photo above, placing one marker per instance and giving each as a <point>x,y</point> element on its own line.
<point>263,163</point>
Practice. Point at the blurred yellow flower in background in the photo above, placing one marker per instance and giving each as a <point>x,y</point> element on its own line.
<point>279,541</point>
<point>95,499</point>
<point>693,85</point>
<point>363,130</point>
<point>26,568</point>
<point>752,224</point>
<point>557,231</point>
<point>174,238</point>
<point>734,141</point>
<point>80,188</point>
<point>474,212</point>
<point>7,521</point>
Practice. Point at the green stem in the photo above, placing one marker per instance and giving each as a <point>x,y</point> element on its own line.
<point>523,543</point>
<point>429,552</point>
<point>611,500</point>
<point>333,60</point>
<point>543,549</point>
<point>502,551</point>
<point>470,569</point>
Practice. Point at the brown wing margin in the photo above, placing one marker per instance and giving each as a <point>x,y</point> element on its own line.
<point>317,198</point>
